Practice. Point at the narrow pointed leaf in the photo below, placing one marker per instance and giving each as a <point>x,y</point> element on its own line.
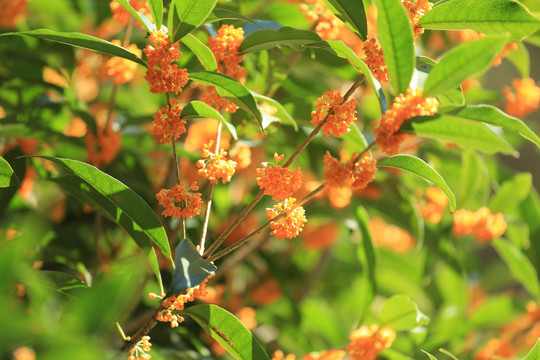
<point>138,16</point>
<point>82,41</point>
<point>421,168</point>
<point>190,14</point>
<point>534,354</point>
<point>400,313</point>
<point>156,8</point>
<point>64,281</point>
<point>281,113</point>
<point>226,329</point>
<point>352,14</point>
<point>201,51</point>
<point>7,175</point>
<point>431,357</point>
<point>397,40</point>
<point>296,39</point>
<point>199,110</point>
<point>464,61</point>
<point>490,17</point>
<point>190,270</point>
<point>229,89</point>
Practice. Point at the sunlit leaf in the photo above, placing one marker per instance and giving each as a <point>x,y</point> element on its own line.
<point>296,39</point>
<point>7,175</point>
<point>201,51</point>
<point>400,313</point>
<point>199,110</point>
<point>352,13</point>
<point>190,14</point>
<point>141,18</point>
<point>511,193</point>
<point>156,8</point>
<point>534,354</point>
<point>281,113</point>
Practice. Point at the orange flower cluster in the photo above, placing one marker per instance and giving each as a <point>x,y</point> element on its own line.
<point>167,123</point>
<point>507,48</point>
<point>212,98</point>
<point>525,100</point>
<point>189,204</point>
<point>405,106</point>
<point>496,349</point>
<point>123,70</point>
<point>416,9</point>
<point>139,351</point>
<point>241,154</point>
<point>355,173</point>
<point>266,292</point>
<point>327,355</point>
<point>162,75</point>
<point>389,236</point>
<point>366,342</point>
<point>122,16</point>
<point>10,12</point>
<point>328,26</point>
<point>175,303</point>
<point>436,202</point>
<point>318,237</point>
<point>278,355</point>
<point>340,115</point>
<point>289,225</point>
<point>215,166</point>
<point>374,59</point>
<point>278,181</point>
<point>483,225</point>
<point>103,147</point>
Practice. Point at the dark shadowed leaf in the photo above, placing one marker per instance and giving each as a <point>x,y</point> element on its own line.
<point>352,13</point>
<point>296,39</point>
<point>141,18</point>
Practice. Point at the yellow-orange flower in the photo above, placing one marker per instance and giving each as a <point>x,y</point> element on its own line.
<point>483,225</point>
<point>389,236</point>
<point>416,9</point>
<point>341,116</point>
<point>368,341</point>
<point>327,355</point>
<point>356,174</point>
<point>374,59</point>
<point>432,210</point>
<point>10,12</point>
<point>328,26</point>
<point>405,106</point>
<point>103,147</point>
<point>525,100</point>
<point>139,351</point>
<point>179,202</point>
<point>167,124</point>
<point>123,70</point>
<point>216,166</point>
<point>496,349</point>
<point>278,181</point>
<point>278,355</point>
<point>289,225</point>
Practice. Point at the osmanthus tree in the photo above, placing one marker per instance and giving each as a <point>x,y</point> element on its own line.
<point>299,178</point>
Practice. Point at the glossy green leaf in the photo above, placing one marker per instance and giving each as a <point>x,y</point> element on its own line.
<point>400,313</point>
<point>7,175</point>
<point>190,15</point>
<point>518,264</point>
<point>511,193</point>
<point>352,14</point>
<point>467,134</point>
<point>421,168</point>
<point>82,41</point>
<point>199,110</point>
<point>397,40</point>
<point>201,51</point>
<point>493,116</point>
<point>534,354</point>
<point>423,67</point>
<point>281,113</point>
<point>141,18</point>
<point>431,357</point>
<point>64,281</point>
<point>490,17</point>
<point>464,61</point>
<point>296,39</point>
<point>226,329</point>
<point>120,203</point>
<point>191,269</point>
<point>156,8</point>
<point>226,14</point>
<point>229,89</point>
<point>367,254</point>
<point>521,60</point>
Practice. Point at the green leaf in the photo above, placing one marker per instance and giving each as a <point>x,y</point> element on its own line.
<point>511,193</point>
<point>199,110</point>
<point>490,17</point>
<point>203,53</point>
<point>518,264</point>
<point>534,354</point>
<point>118,202</point>
<point>63,281</point>
<point>7,175</point>
<point>191,269</point>
<point>401,313</point>
<point>467,134</point>
<point>141,18</point>
<point>352,14</point>
<point>229,89</point>
<point>420,168</point>
<point>397,40</point>
<point>226,14</point>
<point>493,116</point>
<point>431,357</point>
<point>367,252</point>
<point>281,113</point>
<point>156,8</point>
<point>521,60</point>
<point>296,39</point>
<point>226,329</point>
<point>423,67</point>
<point>465,60</point>
<point>82,41</point>
<point>190,15</point>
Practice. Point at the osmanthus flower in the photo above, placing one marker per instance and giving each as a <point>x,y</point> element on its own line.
<point>341,117</point>
<point>123,70</point>
<point>278,181</point>
<point>162,75</point>
<point>374,59</point>
<point>405,106</point>
<point>122,16</point>
<point>355,174</point>
<point>326,355</point>
<point>328,26</point>
<point>368,341</point>
<point>180,202</point>
<point>10,12</point>
<point>416,9</point>
<point>215,166</point>
<point>167,124</point>
<point>102,148</point>
<point>482,224</point>
<point>496,349</point>
<point>139,351</point>
<point>436,201</point>
<point>279,355</point>
<point>289,225</point>
<point>24,353</point>
<point>390,236</point>
<point>525,100</point>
